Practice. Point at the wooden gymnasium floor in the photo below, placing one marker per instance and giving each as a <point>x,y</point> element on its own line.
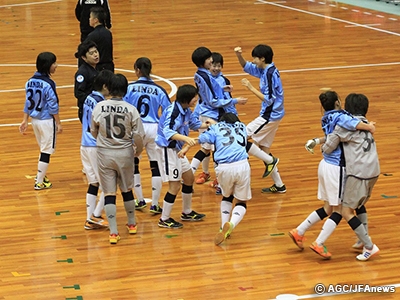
<point>47,254</point>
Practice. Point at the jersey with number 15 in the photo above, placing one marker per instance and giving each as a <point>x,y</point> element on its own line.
<point>147,97</point>
<point>41,97</point>
<point>114,124</point>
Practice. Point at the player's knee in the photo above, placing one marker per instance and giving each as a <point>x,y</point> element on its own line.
<point>361,210</point>
<point>228,199</point>
<point>44,157</point>
<point>169,198</point>
<point>110,199</point>
<point>336,217</point>
<point>155,171</point>
<point>187,189</point>
<point>321,213</point>
<point>128,196</point>
<point>93,190</point>
<point>136,161</point>
<point>244,204</point>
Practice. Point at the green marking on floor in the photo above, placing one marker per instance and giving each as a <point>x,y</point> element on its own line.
<point>169,236</point>
<point>277,234</point>
<point>61,212</point>
<point>77,298</point>
<point>388,197</point>
<point>68,260</point>
<point>75,287</point>
<point>63,237</point>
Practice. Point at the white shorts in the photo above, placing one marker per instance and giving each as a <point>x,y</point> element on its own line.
<point>357,191</point>
<point>89,162</point>
<point>331,180</point>
<point>206,146</point>
<point>234,179</point>
<point>45,132</point>
<point>150,133</point>
<point>172,167</point>
<point>262,131</point>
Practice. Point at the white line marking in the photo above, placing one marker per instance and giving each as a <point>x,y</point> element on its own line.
<point>29,3</point>
<point>328,17</point>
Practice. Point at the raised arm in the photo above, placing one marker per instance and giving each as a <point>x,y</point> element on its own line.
<point>238,52</point>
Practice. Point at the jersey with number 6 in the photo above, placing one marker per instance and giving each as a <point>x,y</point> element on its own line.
<point>114,123</point>
<point>229,140</point>
<point>41,97</point>
<point>147,97</point>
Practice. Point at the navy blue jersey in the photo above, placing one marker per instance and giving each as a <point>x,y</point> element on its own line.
<point>41,101</point>
<point>229,140</point>
<point>148,97</point>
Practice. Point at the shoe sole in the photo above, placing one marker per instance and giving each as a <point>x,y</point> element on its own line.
<point>222,236</point>
<point>269,192</point>
<point>192,220</point>
<point>295,242</point>
<point>164,226</point>
<point>325,257</point>
<point>202,182</point>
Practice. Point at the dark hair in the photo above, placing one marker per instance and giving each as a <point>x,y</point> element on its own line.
<point>99,13</point>
<point>357,104</point>
<point>118,86</point>
<point>217,58</point>
<point>230,118</point>
<point>261,51</point>
<point>328,100</point>
<point>186,93</point>
<point>200,55</point>
<point>103,78</point>
<point>44,61</point>
<point>84,47</point>
<point>144,65</point>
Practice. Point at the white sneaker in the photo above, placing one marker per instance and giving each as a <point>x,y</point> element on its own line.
<point>358,245</point>
<point>367,254</point>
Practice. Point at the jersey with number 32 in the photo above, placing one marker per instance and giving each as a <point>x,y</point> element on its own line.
<point>41,98</point>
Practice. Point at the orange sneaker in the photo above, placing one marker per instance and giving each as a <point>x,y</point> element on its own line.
<point>203,177</point>
<point>320,250</point>
<point>297,238</point>
<point>132,229</point>
<point>214,183</point>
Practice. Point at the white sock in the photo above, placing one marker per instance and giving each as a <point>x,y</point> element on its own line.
<point>187,203</point>
<point>111,211</point>
<point>308,222</point>
<point>166,212</point>
<point>100,206</point>
<point>226,208</point>
<point>130,211</point>
<point>257,152</point>
<point>237,214</point>
<point>276,177</point>
<point>205,164</point>
<point>42,170</point>
<point>90,205</point>
<point>137,187</point>
<point>195,164</point>
<point>327,229</point>
<point>156,186</point>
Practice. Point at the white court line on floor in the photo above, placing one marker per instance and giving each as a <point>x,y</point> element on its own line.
<point>29,3</point>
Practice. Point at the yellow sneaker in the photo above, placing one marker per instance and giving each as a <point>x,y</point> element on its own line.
<point>224,233</point>
<point>132,229</point>
<point>114,238</point>
<point>42,185</point>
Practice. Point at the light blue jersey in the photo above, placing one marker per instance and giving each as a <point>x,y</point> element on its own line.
<point>212,101</point>
<point>41,101</point>
<point>229,140</point>
<point>329,120</point>
<point>91,100</point>
<point>271,87</point>
<point>147,97</point>
<point>223,81</point>
<point>175,119</point>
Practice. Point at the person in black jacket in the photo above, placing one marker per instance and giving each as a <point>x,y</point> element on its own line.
<point>82,13</point>
<point>102,37</point>
<point>86,73</point>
